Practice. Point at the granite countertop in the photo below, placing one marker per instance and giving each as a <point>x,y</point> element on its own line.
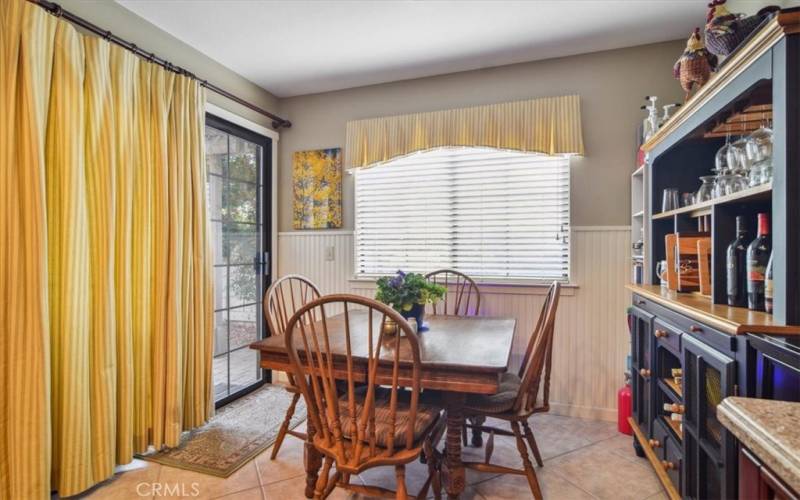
<point>770,429</point>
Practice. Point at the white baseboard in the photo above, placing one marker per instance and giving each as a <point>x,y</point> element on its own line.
<point>606,414</point>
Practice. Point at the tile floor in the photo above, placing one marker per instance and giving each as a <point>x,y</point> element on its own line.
<point>244,371</point>
<point>584,459</point>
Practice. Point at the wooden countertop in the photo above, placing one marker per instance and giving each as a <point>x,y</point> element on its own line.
<point>732,320</point>
<point>768,429</point>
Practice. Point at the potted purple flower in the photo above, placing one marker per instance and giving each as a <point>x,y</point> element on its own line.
<point>408,293</point>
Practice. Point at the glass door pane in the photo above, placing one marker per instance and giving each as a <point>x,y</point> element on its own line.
<point>236,172</point>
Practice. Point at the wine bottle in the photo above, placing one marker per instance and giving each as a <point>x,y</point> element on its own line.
<point>768,287</point>
<point>736,259</point>
<point>757,256</point>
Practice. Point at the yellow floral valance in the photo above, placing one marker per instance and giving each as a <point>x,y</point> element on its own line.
<point>550,125</point>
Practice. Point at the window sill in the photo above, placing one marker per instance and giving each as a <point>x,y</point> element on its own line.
<point>495,286</point>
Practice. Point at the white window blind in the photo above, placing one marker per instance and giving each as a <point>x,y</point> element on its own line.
<point>485,212</point>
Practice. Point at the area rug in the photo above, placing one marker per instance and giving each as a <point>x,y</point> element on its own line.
<point>235,435</point>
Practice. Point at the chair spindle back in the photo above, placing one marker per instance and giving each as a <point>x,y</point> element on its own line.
<point>285,297</point>
<point>536,363</point>
<point>324,350</point>
<point>463,289</point>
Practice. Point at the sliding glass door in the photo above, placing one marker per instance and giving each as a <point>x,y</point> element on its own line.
<point>238,163</point>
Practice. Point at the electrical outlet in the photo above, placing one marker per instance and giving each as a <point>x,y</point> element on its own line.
<point>330,253</point>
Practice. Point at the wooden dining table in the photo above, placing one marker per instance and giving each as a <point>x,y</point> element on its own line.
<point>459,356</point>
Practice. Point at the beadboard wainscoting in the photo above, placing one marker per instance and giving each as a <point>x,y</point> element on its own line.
<point>591,340</point>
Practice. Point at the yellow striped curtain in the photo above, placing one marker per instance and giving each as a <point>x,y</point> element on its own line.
<point>105,271</point>
<point>550,125</point>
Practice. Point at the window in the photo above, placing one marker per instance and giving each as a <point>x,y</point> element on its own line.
<point>485,212</point>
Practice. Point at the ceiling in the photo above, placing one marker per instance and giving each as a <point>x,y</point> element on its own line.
<point>302,47</point>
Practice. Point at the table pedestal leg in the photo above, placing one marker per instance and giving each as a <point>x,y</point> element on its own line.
<point>477,435</point>
<point>453,470</point>
<point>311,459</point>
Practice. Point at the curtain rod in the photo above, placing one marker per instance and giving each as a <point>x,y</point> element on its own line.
<point>56,10</point>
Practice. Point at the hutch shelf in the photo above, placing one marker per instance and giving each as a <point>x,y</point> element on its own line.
<point>690,351</point>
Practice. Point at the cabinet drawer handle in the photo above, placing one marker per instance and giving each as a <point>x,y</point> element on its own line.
<point>695,329</point>
<point>644,372</point>
<point>640,302</point>
<point>655,443</point>
<point>661,334</point>
<point>668,465</point>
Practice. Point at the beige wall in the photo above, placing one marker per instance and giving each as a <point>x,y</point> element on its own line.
<point>122,22</point>
<point>611,84</point>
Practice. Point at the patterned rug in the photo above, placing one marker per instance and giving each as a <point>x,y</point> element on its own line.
<point>235,435</point>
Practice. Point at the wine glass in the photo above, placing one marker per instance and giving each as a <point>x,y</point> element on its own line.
<point>721,158</point>
<point>706,191</point>
<point>759,144</point>
<point>738,162</point>
<point>760,172</point>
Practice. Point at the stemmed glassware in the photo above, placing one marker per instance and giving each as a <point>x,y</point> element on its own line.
<point>759,152</point>
<point>706,191</point>
<point>745,162</point>
<point>732,166</point>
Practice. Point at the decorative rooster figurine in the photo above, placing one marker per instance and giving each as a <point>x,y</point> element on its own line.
<point>695,64</point>
<point>725,31</point>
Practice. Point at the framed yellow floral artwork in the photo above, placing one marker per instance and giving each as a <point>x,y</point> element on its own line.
<point>317,184</point>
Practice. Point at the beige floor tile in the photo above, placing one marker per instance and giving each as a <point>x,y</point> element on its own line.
<point>591,430</point>
<point>384,477</point>
<point>578,428</point>
<point>553,487</point>
<point>251,494</point>
<point>292,489</point>
<point>622,445</point>
<point>574,468</point>
<point>210,486</point>
<point>554,436</point>
<point>599,471</point>
<point>658,496</point>
<point>505,453</point>
<point>288,463</point>
<point>555,440</point>
<point>136,482</point>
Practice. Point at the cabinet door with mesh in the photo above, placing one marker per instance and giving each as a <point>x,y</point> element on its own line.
<point>710,465</point>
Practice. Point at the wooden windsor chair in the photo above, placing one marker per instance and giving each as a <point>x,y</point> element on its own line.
<point>281,301</point>
<point>377,423</point>
<point>463,290</point>
<point>518,397</point>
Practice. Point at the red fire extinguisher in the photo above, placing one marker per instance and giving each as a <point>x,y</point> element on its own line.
<point>624,410</point>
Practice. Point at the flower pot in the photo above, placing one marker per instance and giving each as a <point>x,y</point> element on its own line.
<point>418,313</point>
